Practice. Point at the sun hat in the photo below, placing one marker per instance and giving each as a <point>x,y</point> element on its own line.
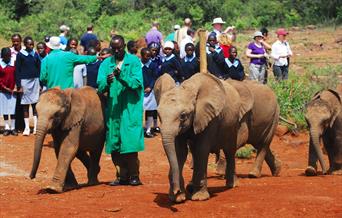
<point>169,44</point>
<point>64,28</point>
<point>218,20</point>
<point>54,43</point>
<point>282,31</point>
<point>256,34</point>
<point>176,27</point>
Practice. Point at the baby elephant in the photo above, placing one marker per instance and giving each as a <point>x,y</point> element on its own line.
<point>75,119</point>
<point>324,118</point>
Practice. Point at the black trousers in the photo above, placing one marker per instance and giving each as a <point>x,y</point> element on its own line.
<point>127,165</point>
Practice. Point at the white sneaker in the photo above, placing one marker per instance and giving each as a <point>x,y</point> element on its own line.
<point>26,132</point>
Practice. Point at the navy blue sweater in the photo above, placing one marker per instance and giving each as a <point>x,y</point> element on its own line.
<point>92,72</point>
<point>234,69</point>
<point>172,67</point>
<point>216,64</point>
<point>189,68</point>
<point>150,74</point>
<point>26,67</point>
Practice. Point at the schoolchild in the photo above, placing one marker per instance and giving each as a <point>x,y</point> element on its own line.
<point>190,63</point>
<point>233,66</point>
<point>41,50</point>
<point>132,47</point>
<point>7,92</point>
<point>27,79</point>
<point>149,70</point>
<point>155,55</point>
<point>16,46</point>
<point>92,69</point>
<point>170,63</point>
<point>215,57</point>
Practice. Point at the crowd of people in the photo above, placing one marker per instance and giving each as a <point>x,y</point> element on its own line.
<point>127,76</point>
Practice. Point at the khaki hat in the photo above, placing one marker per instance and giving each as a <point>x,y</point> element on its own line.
<point>218,20</point>
<point>54,43</point>
<point>256,34</point>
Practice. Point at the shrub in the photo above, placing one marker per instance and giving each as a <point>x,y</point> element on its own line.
<point>245,152</point>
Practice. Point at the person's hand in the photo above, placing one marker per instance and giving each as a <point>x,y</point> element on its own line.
<point>110,78</point>
<point>211,49</point>
<point>117,72</point>
<point>147,90</point>
<point>20,90</point>
<point>266,56</point>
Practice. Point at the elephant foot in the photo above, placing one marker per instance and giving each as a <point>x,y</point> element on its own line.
<point>201,195</point>
<point>177,198</point>
<point>232,184</point>
<point>254,174</point>
<point>310,171</point>
<point>276,171</point>
<point>54,189</point>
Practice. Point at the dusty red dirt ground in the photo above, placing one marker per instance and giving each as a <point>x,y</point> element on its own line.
<point>290,195</point>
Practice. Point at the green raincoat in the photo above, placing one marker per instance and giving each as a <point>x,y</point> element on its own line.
<point>124,112</point>
<point>57,69</point>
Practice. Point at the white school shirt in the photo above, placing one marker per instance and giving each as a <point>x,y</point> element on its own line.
<point>280,49</point>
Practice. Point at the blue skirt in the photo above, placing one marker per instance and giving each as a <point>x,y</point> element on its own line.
<point>7,103</point>
<point>150,102</point>
<point>30,91</point>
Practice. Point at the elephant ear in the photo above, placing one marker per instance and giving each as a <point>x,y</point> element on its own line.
<point>246,96</point>
<point>162,85</point>
<point>209,101</point>
<point>77,109</point>
<point>335,106</point>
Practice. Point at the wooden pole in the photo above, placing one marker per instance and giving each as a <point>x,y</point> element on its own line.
<point>203,54</point>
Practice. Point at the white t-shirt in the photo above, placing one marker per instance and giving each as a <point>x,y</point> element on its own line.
<point>80,71</point>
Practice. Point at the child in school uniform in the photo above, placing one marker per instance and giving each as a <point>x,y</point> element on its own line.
<point>41,50</point>
<point>92,69</point>
<point>215,57</point>
<point>190,63</point>
<point>149,70</point>
<point>233,66</point>
<point>7,95</point>
<point>170,63</point>
<point>27,78</point>
<point>155,55</point>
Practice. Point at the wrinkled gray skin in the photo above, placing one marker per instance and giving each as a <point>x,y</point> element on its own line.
<point>204,113</point>
<point>257,126</point>
<point>75,119</point>
<point>324,118</point>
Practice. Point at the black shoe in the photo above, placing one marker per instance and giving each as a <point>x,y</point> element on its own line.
<point>118,182</point>
<point>7,132</point>
<point>14,132</point>
<point>156,130</point>
<point>148,135</point>
<point>135,181</point>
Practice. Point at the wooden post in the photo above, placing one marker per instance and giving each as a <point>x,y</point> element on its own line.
<point>203,54</point>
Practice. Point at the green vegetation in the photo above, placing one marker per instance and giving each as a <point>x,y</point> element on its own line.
<point>294,93</point>
<point>245,152</point>
<point>132,18</point>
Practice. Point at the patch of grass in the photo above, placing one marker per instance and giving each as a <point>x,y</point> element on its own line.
<point>245,152</point>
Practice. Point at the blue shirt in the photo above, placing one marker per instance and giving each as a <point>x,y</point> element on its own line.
<point>64,40</point>
<point>92,72</point>
<point>86,38</point>
<point>150,70</point>
<point>172,66</point>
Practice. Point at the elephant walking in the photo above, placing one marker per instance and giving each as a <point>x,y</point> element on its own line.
<point>75,119</point>
<point>258,126</point>
<point>324,118</point>
<point>206,112</point>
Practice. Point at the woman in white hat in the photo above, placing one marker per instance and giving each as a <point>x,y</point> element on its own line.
<point>218,26</point>
<point>257,54</point>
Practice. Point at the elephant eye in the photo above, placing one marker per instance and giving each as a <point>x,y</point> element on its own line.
<point>183,116</point>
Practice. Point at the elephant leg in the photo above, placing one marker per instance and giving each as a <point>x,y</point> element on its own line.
<point>67,153</point>
<point>311,170</point>
<point>221,163</point>
<point>182,153</point>
<point>273,163</point>
<point>198,187</point>
<point>231,178</point>
<point>70,180</point>
<point>94,167</point>
<point>256,169</point>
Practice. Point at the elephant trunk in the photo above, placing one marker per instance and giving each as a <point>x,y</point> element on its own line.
<point>315,135</point>
<point>170,150</point>
<point>38,146</point>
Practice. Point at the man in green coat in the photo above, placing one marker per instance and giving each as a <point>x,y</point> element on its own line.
<point>57,69</point>
<point>121,76</point>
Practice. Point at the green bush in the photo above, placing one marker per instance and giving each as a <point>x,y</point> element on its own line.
<point>245,152</point>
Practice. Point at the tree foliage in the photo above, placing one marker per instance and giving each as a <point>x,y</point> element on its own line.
<point>133,17</point>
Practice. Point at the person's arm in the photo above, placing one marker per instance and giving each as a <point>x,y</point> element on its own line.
<point>266,45</point>
<point>82,59</point>
<point>289,51</point>
<point>250,55</point>
<point>18,66</point>
<point>102,78</point>
<point>133,79</point>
